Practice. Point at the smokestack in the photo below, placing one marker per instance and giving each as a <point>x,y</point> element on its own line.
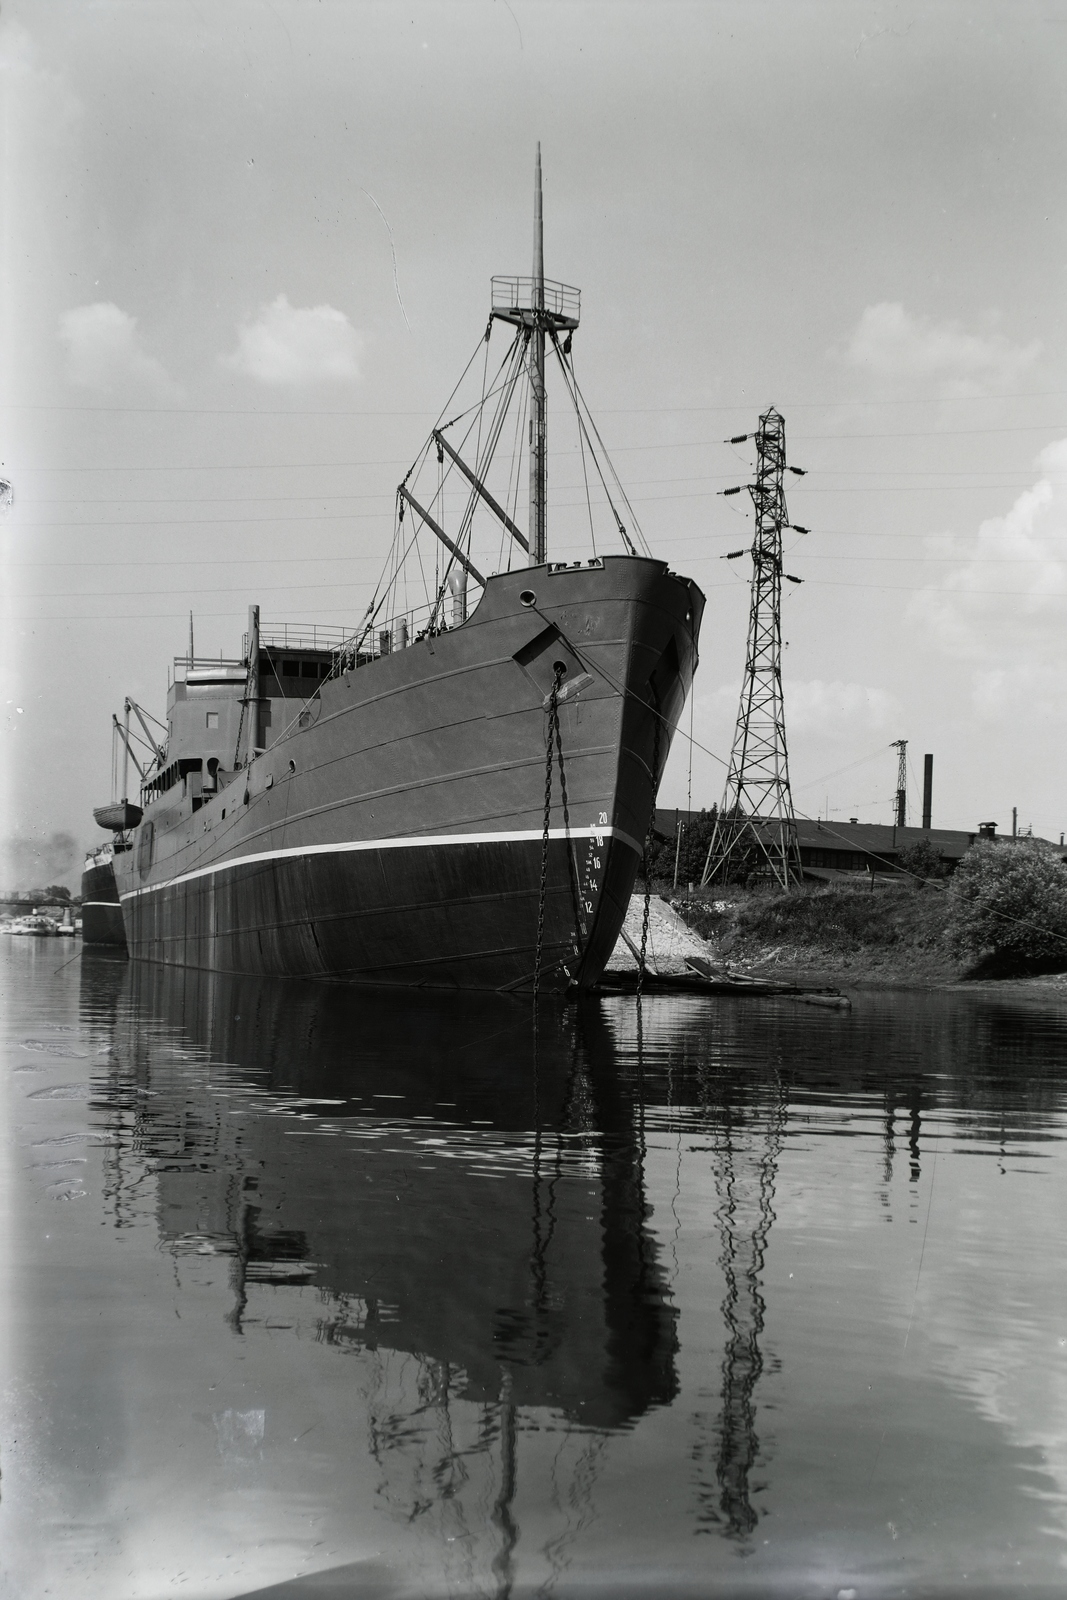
<point>928,789</point>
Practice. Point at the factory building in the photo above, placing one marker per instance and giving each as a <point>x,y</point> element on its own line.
<point>831,850</point>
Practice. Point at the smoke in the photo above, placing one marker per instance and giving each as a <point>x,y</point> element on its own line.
<point>29,863</point>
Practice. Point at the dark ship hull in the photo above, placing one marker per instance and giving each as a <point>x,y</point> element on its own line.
<point>101,911</point>
<point>393,834</point>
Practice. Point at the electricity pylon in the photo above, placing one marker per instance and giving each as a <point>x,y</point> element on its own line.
<point>900,808</point>
<point>756,830</point>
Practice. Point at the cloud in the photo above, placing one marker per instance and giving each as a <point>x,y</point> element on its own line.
<point>1004,605</point>
<point>838,710</point>
<point>814,709</point>
<point>890,343</point>
<point>297,345</point>
<point>104,351</point>
<point>1028,690</point>
<point>21,70</point>
<point>18,53</point>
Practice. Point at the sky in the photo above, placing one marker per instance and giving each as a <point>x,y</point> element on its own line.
<point>246,254</point>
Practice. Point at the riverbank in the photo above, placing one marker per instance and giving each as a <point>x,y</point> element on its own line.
<point>841,934</point>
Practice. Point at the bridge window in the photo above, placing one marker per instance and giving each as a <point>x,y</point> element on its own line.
<point>290,669</point>
<point>212,719</point>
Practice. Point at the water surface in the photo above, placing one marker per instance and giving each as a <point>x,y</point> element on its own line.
<point>396,1296</point>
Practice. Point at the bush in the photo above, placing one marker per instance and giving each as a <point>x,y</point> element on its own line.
<point>1010,901</point>
<point>691,856</point>
<point>839,918</point>
<point>922,859</point>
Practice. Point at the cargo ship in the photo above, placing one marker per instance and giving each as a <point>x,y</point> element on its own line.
<point>458,793</point>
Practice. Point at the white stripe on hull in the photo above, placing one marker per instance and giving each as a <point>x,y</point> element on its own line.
<point>416,841</point>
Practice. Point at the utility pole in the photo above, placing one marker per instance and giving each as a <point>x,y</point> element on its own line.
<point>756,828</point>
<point>679,829</point>
<point>901,806</point>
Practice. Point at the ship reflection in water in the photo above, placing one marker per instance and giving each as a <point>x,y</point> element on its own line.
<point>438,1182</point>
<point>376,1296</point>
<point>451,1187</point>
<point>428,1181</point>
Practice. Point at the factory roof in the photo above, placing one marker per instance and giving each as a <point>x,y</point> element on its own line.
<point>873,838</point>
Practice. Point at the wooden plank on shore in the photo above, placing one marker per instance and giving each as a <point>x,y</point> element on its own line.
<point>696,983</point>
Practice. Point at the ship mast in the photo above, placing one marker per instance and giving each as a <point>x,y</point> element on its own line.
<point>542,309</point>
<point>538,398</point>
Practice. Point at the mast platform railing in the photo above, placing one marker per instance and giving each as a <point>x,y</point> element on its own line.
<point>514,300</point>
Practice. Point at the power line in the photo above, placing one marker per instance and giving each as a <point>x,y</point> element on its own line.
<point>736,406</point>
<point>975,477</point>
<point>960,559</point>
<point>394,461</point>
<point>562,505</point>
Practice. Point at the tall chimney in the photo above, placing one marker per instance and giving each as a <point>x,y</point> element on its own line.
<point>928,788</point>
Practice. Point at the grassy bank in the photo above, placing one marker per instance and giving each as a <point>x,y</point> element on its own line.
<point>886,935</point>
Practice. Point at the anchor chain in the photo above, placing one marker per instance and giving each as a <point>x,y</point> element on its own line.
<point>646,859</point>
<point>572,870</point>
<point>553,728</point>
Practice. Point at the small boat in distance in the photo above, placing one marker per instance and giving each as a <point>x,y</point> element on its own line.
<point>456,794</point>
<point>36,925</point>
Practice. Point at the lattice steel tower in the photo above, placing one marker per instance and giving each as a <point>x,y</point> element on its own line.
<point>756,829</point>
<point>900,802</point>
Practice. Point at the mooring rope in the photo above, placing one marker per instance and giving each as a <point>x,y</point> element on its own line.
<point>646,860</point>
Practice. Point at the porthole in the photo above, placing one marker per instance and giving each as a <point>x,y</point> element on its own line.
<point>270,780</point>
<point>527,598</point>
<point>292,766</point>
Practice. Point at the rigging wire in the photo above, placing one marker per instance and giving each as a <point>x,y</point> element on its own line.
<point>572,389</point>
<point>588,500</point>
<point>521,415</point>
<point>504,393</point>
<point>611,466</point>
<point>478,449</point>
<point>484,461</point>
